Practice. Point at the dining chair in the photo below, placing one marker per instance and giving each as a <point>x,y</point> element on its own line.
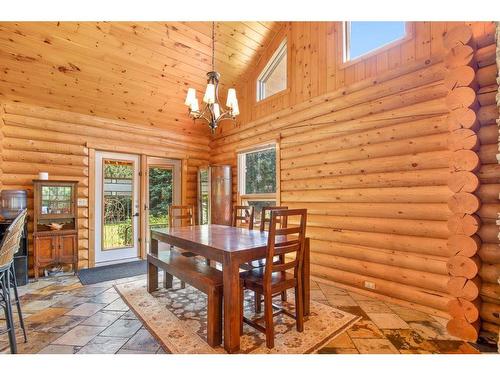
<point>243,216</point>
<point>274,278</point>
<point>8,247</point>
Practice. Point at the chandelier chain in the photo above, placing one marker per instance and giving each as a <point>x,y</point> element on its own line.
<point>213,46</point>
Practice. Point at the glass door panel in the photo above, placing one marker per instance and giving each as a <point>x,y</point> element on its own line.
<point>161,192</point>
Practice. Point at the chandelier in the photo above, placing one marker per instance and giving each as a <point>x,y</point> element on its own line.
<point>212,112</point>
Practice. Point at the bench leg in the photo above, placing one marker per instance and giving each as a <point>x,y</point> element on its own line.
<point>152,277</point>
<point>214,318</point>
<point>167,280</point>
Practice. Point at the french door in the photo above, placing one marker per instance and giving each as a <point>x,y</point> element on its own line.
<point>117,184</point>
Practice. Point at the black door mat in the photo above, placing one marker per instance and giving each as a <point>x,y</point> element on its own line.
<point>112,272</point>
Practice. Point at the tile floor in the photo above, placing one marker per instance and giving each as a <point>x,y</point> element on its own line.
<point>63,316</point>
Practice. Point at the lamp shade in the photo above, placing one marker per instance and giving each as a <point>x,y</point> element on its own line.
<point>190,96</point>
<point>194,105</point>
<point>235,109</point>
<point>231,98</point>
<point>216,110</point>
<point>209,94</point>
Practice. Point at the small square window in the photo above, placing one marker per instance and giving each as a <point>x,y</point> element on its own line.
<point>273,77</point>
<point>361,38</point>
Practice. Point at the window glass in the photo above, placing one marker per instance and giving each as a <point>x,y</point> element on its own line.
<point>273,77</point>
<point>260,172</point>
<point>364,37</point>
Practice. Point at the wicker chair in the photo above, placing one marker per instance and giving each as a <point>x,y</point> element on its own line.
<point>8,247</point>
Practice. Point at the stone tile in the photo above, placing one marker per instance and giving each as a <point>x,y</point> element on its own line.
<point>332,290</point>
<point>59,349</point>
<point>355,310</point>
<point>317,295</point>
<point>36,341</point>
<point>142,341</point>
<point>365,329</point>
<point>409,315</point>
<point>122,328</point>
<point>106,297</point>
<point>103,345</point>
<point>375,346</point>
<point>127,351</point>
<point>340,300</point>
<point>161,351</point>
<point>409,341</point>
<point>102,318</point>
<point>117,305</point>
<point>62,324</point>
<point>431,330</point>
<point>341,341</point>
<point>70,301</point>
<point>454,347</point>
<point>90,291</point>
<point>36,306</point>
<point>86,309</point>
<point>79,336</point>
<point>40,318</point>
<point>390,321</point>
<point>129,315</point>
<point>360,297</point>
<point>374,306</point>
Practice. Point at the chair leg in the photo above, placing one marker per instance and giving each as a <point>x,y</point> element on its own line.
<point>268,314</point>
<point>299,306</point>
<point>214,317</point>
<point>242,308</point>
<point>183,284</point>
<point>257,302</point>
<point>8,312</point>
<point>283,296</point>
<point>17,301</point>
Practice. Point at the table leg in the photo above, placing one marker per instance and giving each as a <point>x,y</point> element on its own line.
<point>306,278</point>
<point>152,269</point>
<point>231,275</point>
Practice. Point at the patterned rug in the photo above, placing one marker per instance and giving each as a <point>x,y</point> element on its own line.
<point>177,318</point>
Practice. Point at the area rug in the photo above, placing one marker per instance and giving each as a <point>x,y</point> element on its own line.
<point>96,275</point>
<point>177,318</point>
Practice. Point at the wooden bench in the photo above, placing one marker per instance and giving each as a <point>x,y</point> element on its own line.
<point>198,274</point>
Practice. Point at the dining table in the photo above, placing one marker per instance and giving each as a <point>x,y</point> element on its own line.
<point>231,247</point>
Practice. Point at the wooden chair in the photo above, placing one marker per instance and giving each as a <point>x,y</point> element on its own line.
<point>272,279</point>
<point>264,218</point>
<point>243,215</point>
<point>8,247</point>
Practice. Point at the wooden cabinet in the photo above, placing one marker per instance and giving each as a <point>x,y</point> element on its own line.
<point>55,226</point>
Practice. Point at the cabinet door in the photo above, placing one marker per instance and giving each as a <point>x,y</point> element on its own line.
<point>67,248</point>
<point>46,249</point>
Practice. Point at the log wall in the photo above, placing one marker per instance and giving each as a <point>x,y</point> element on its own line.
<point>36,139</point>
<point>392,181</point>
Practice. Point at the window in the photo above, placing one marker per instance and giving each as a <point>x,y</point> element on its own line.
<point>257,178</point>
<point>361,38</point>
<point>273,77</point>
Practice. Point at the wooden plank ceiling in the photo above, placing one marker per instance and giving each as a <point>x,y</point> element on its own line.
<point>133,71</point>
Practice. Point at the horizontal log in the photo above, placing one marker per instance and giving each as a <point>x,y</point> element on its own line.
<point>461,76</point>
<point>431,177</point>
<point>491,290</point>
<point>464,203</point>
<point>488,134</point>
<point>42,146</point>
<point>463,245</point>
<point>463,139</point>
<point>35,168</point>
<point>462,287</point>
<point>424,160</point>
<point>486,55</point>
<point>460,308</point>
<point>461,97</point>
<point>464,160</point>
<point>462,118</point>
<point>488,154</point>
<point>460,55</point>
<point>412,244</point>
<point>489,233</point>
<point>490,253</point>
<point>419,262</point>
<point>489,174</point>
<point>416,211</point>
<point>463,329</point>
<point>487,95</point>
<point>463,181</point>
<point>434,229</point>
<point>490,273</point>
<point>420,194</point>
<point>486,75</point>
<point>488,193</point>
<point>420,279</point>
<point>45,158</point>
<point>12,179</point>
<point>489,212</point>
<point>458,35</point>
<point>460,266</point>
<point>463,224</point>
<point>413,294</point>
<point>490,327</point>
<point>490,312</point>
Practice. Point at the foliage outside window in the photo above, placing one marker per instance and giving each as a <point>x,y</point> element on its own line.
<point>362,38</point>
<point>273,78</point>
<point>257,178</point>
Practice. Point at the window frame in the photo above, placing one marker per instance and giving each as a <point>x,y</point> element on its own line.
<point>276,58</point>
<point>241,174</point>
<point>346,61</point>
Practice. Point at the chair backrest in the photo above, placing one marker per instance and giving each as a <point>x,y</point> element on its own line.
<point>264,218</point>
<point>243,215</point>
<point>12,238</point>
<point>179,216</point>
<point>292,245</point>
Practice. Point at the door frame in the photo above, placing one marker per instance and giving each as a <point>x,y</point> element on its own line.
<point>136,193</point>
